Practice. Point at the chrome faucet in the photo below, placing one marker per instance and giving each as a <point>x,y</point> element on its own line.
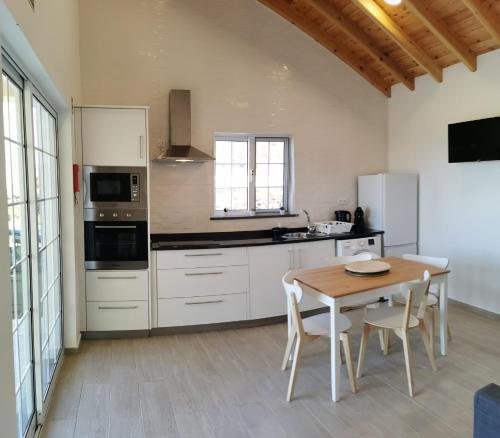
<point>310,227</point>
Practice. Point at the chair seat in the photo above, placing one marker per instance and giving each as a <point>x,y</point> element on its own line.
<point>389,317</point>
<point>432,300</point>
<point>319,325</point>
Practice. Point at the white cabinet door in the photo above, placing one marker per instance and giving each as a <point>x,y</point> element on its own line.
<point>313,255</point>
<point>267,265</point>
<point>114,136</point>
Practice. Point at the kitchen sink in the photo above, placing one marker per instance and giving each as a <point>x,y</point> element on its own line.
<point>297,236</point>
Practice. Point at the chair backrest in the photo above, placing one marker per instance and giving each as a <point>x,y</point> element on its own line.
<point>294,295</point>
<point>343,260</point>
<point>415,291</point>
<point>439,262</point>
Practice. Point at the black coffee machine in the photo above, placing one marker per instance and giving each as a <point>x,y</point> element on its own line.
<point>343,216</point>
<point>359,220</point>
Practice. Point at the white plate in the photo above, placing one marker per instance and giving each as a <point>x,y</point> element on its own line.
<point>368,267</point>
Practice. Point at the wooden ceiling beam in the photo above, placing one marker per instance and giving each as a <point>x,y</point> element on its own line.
<point>442,32</point>
<point>487,19</point>
<point>281,7</point>
<point>336,17</point>
<point>394,31</point>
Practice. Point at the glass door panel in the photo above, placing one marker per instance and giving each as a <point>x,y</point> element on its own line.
<point>17,206</point>
<point>48,239</point>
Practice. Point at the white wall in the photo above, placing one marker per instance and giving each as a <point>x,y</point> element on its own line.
<point>45,44</point>
<point>459,203</point>
<point>249,71</point>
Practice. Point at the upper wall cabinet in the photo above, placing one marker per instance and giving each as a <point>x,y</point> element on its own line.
<point>114,136</point>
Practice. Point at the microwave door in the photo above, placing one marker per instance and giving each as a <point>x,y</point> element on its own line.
<point>110,187</point>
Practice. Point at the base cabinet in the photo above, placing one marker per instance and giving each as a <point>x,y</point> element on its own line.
<point>113,315</point>
<point>117,300</point>
<point>267,266</point>
<point>174,312</point>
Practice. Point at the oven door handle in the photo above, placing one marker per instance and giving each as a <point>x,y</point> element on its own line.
<point>130,227</point>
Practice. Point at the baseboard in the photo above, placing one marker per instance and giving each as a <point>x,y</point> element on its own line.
<point>249,323</point>
<point>74,350</point>
<point>477,310</point>
<point>119,334</point>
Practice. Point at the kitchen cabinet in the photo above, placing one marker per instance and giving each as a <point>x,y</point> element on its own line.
<point>117,300</point>
<point>203,286</point>
<point>313,255</point>
<point>114,136</point>
<point>267,265</point>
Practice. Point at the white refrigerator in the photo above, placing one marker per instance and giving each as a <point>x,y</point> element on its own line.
<point>390,204</point>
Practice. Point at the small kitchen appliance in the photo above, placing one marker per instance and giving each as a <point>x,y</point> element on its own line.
<point>343,216</point>
<point>359,220</point>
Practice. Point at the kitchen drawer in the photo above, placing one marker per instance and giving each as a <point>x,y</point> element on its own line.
<point>175,312</point>
<point>116,285</point>
<point>174,283</point>
<point>202,258</point>
<point>110,315</point>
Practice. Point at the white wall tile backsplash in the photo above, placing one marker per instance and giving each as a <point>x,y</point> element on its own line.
<point>249,71</point>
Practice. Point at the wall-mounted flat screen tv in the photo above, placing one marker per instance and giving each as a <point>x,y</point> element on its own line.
<point>477,140</point>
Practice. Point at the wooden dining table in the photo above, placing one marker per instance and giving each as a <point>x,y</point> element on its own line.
<point>336,288</point>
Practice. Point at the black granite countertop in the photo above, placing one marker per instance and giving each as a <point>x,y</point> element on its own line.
<point>242,238</point>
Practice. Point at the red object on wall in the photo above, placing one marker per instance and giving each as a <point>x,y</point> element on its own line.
<point>76,187</point>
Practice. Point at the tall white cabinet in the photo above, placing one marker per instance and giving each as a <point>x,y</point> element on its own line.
<point>114,136</point>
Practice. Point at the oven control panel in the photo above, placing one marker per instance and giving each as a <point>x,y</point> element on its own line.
<point>107,215</point>
<point>135,187</point>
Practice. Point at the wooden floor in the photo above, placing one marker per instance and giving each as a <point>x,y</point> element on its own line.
<point>229,384</point>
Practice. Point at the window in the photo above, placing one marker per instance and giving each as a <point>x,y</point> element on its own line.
<point>252,173</point>
<point>31,160</point>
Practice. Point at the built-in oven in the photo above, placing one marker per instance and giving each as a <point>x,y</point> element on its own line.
<point>114,187</point>
<point>116,239</point>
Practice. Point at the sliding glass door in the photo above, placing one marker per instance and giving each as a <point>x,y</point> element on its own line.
<point>17,206</point>
<point>48,239</point>
<point>31,160</point>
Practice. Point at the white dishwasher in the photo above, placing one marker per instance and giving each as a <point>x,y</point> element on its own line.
<point>358,246</point>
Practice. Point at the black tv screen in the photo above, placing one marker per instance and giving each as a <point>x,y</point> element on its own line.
<point>477,140</point>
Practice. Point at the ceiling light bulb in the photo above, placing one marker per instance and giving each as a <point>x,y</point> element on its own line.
<point>393,2</point>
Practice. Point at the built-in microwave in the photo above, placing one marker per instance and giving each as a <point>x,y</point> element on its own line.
<point>115,187</point>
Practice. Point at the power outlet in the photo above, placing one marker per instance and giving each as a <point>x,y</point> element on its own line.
<point>342,201</point>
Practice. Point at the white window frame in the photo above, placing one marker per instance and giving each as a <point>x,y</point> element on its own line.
<point>251,140</point>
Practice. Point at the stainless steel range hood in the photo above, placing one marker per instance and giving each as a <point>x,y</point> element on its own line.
<point>180,149</point>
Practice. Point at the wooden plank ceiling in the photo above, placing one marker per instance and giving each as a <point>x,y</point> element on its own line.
<point>394,44</point>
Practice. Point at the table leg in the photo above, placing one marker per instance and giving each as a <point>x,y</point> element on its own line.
<point>443,315</point>
<point>335,349</point>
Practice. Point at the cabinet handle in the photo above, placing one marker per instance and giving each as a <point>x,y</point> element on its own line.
<point>203,255</point>
<point>190,303</point>
<point>140,146</point>
<point>118,227</point>
<point>290,259</point>
<point>300,258</point>
<point>190,274</point>
<point>117,307</point>
<point>118,278</point>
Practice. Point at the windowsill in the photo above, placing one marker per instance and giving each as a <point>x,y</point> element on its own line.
<point>255,216</point>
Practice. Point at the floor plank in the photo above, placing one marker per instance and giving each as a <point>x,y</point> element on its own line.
<point>229,384</point>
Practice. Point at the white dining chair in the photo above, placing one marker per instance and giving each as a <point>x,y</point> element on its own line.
<point>308,329</point>
<point>400,320</point>
<point>433,298</point>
